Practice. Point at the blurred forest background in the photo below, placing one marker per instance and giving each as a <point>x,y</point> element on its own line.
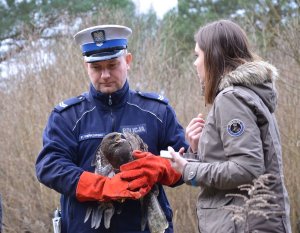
<point>41,66</point>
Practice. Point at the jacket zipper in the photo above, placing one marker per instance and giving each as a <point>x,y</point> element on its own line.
<point>111,114</point>
<point>109,100</point>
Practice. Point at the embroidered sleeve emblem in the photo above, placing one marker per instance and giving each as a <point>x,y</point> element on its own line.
<point>235,127</point>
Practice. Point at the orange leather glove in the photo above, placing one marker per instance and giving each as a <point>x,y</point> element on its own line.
<point>94,187</point>
<point>157,169</point>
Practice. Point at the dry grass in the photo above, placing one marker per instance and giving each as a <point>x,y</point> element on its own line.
<point>158,66</point>
<point>259,201</point>
<point>286,58</point>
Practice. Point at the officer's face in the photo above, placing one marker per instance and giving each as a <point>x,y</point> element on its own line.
<point>199,63</point>
<point>109,76</point>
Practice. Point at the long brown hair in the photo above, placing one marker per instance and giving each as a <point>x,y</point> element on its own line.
<point>225,46</point>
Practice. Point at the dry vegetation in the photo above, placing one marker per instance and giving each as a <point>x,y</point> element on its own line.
<point>28,98</point>
<point>287,59</point>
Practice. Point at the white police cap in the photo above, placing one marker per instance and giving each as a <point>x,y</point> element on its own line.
<point>102,42</point>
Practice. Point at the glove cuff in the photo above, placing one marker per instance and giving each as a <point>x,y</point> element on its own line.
<point>171,176</point>
<point>89,186</point>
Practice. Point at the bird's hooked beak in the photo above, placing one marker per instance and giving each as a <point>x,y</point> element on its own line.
<point>117,137</point>
<point>120,138</point>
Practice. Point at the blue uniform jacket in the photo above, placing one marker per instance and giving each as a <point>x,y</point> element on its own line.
<point>74,131</point>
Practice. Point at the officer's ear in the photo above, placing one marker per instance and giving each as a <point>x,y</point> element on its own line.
<point>128,58</point>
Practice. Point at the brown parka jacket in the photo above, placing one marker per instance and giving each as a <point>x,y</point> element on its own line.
<point>239,142</point>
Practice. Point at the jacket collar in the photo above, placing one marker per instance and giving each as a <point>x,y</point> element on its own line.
<point>115,99</point>
<point>259,76</point>
<point>250,73</point>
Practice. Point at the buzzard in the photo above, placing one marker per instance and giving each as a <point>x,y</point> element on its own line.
<point>116,149</point>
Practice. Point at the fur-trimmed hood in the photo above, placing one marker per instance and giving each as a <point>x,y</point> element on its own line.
<point>259,76</point>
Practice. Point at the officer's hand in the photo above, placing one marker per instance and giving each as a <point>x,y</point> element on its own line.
<point>94,187</point>
<point>157,169</point>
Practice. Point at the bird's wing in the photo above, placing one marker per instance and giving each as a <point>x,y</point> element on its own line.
<point>102,166</point>
<point>97,217</point>
<point>108,213</point>
<point>135,141</point>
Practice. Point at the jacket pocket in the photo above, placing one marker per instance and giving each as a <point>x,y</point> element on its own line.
<point>215,219</point>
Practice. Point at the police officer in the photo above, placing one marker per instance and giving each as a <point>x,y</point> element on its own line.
<point>77,125</point>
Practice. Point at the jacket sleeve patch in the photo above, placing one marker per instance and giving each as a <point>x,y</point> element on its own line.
<point>68,103</point>
<point>154,96</point>
<point>235,127</point>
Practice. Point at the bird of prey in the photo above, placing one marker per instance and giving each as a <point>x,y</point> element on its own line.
<point>116,149</point>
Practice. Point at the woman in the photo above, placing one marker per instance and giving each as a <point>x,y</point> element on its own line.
<point>240,139</point>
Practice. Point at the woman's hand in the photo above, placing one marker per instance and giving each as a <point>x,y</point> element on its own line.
<point>193,131</point>
<point>177,161</point>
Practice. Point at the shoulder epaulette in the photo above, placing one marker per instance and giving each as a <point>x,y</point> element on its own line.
<point>153,96</point>
<point>68,103</point>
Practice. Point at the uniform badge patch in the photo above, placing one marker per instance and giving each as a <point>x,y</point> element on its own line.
<point>137,129</point>
<point>63,105</point>
<point>235,127</point>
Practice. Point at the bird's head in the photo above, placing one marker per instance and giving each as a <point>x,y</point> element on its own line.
<point>116,149</point>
